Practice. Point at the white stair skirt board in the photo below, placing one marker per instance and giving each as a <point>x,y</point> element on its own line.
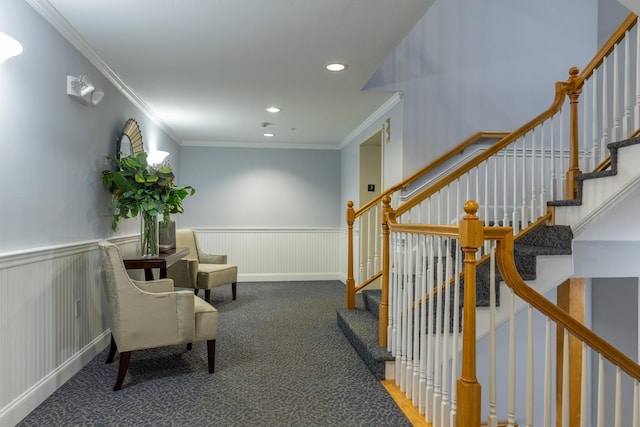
<point>551,271</point>
<point>602,195</point>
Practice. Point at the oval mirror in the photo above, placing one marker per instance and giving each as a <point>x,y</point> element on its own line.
<point>129,140</point>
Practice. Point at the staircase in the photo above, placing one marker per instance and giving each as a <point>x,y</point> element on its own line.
<point>360,326</point>
<point>529,177</point>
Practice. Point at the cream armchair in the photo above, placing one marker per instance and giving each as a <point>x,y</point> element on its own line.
<point>200,270</point>
<point>151,314</point>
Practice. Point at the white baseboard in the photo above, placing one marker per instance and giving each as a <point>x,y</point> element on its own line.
<point>288,277</point>
<point>13,413</point>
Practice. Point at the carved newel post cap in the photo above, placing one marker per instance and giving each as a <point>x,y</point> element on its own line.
<point>471,207</point>
<point>349,204</point>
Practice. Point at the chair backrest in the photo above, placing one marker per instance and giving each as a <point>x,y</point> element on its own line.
<point>186,238</point>
<point>120,287</point>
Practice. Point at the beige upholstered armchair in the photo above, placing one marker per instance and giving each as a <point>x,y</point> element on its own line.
<point>200,270</point>
<point>151,314</point>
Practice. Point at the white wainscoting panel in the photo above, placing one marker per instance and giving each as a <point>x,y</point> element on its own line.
<point>53,321</point>
<point>271,254</point>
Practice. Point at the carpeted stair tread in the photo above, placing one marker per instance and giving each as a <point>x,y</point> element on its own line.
<point>611,171</point>
<point>360,327</point>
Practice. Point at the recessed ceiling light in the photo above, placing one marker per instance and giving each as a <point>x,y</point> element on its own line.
<point>274,109</point>
<point>336,67</point>
<point>269,134</point>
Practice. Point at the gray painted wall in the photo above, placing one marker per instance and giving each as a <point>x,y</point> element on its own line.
<point>53,148</point>
<point>472,65</point>
<point>253,187</point>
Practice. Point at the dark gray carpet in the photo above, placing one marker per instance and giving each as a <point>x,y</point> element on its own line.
<point>280,361</point>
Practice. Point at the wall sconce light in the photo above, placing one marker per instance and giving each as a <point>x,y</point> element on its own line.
<point>83,90</point>
<point>156,157</point>
<point>9,47</point>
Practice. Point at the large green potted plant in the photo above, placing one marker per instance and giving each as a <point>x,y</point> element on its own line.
<point>149,191</point>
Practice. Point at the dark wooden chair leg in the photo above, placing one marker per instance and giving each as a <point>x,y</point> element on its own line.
<point>189,346</point>
<point>207,294</point>
<point>211,354</point>
<point>112,351</point>
<point>233,290</point>
<point>195,292</point>
<point>122,369</point>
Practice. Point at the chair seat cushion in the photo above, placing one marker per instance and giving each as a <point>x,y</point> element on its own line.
<point>213,275</point>
<point>206,320</point>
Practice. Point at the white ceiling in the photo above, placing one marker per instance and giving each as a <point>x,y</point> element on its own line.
<point>207,69</point>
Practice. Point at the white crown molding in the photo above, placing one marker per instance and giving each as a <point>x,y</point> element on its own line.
<point>372,119</point>
<point>60,24</point>
<point>269,145</point>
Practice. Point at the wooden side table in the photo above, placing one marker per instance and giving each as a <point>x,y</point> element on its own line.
<point>162,261</point>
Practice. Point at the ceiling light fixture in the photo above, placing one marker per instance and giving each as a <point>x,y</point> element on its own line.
<point>274,109</point>
<point>8,47</point>
<point>269,135</point>
<point>336,67</point>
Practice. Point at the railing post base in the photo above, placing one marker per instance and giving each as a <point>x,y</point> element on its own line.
<point>471,394</point>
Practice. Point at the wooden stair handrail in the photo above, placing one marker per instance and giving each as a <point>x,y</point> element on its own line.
<point>458,149</point>
<point>509,273</point>
<point>606,49</point>
<point>556,105</point>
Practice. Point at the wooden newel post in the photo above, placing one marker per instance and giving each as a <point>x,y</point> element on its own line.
<point>351,284</point>
<point>574,169</point>
<point>469,391</point>
<point>383,317</point>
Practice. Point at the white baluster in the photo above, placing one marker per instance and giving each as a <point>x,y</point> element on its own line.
<point>547,375</point>
<point>438,335</point>
<point>617,419</point>
<point>377,235</point>
<point>360,249</point>
<point>456,327</point>
<point>423,329</point>
<point>552,158</point>
<point>409,315</point>
<point>515,223</point>
<point>511,400</point>
<point>492,417</point>
<point>398,322</point>
<point>530,382</point>
<point>430,327</point>
<point>533,175</point>
<point>523,208</point>
<point>494,176</point>
<point>505,198</point>
<point>585,129</point>
<point>627,87</point>
<point>403,314</point>
<point>392,295</point>
<point>563,167</point>
<point>565,380</point>
<point>584,403</point>
<point>615,128</point>
<point>417,333</point>
<point>604,105</point>
<point>543,191</point>
<point>601,396</point>
<point>636,412</point>
<point>446,340</point>
<point>595,152</point>
<point>636,121</point>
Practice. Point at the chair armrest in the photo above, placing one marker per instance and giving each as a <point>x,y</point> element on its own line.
<point>206,258</point>
<point>155,286</point>
<point>157,319</point>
